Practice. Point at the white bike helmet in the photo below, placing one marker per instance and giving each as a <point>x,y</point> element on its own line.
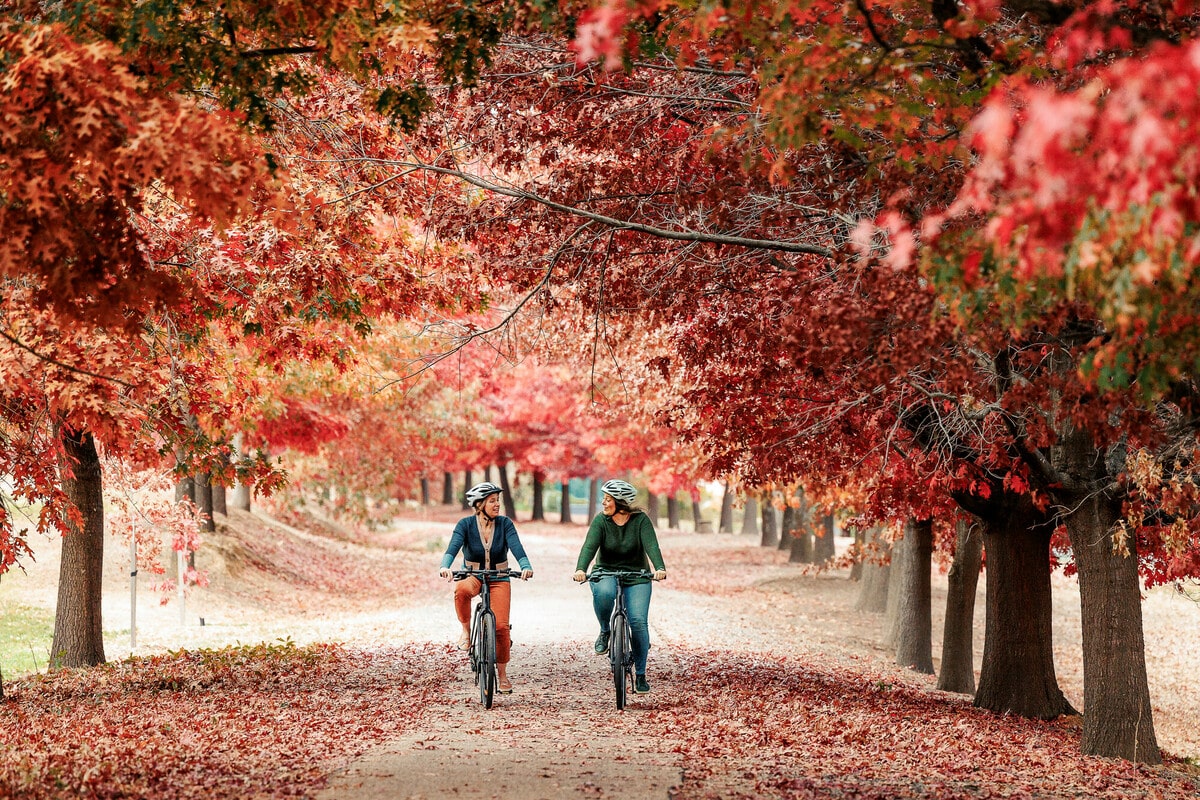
<point>620,490</point>
<point>480,491</point>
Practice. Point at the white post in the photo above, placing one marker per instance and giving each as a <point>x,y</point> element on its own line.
<point>133,592</point>
<point>182,570</point>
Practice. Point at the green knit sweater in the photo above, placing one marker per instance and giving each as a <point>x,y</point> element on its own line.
<point>632,546</point>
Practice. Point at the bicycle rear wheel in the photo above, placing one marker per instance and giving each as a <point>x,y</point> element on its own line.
<point>487,661</point>
<point>618,650</point>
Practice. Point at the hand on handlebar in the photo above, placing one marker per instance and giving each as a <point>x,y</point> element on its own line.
<point>580,576</point>
<point>660,575</point>
<point>444,572</point>
<point>526,574</point>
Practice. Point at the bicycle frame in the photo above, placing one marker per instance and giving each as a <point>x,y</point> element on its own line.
<point>482,652</point>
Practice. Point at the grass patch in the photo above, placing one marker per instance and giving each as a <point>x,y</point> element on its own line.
<point>25,635</point>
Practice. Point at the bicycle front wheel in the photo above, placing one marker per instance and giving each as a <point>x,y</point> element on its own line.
<point>487,661</point>
<point>618,651</point>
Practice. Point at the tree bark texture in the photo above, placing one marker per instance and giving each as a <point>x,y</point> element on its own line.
<point>594,502</point>
<point>564,516</point>
<point>957,673</point>
<point>204,501</point>
<point>510,505</point>
<point>1117,718</point>
<point>750,517</point>
<point>468,482</point>
<point>672,513</point>
<point>824,546</point>
<point>652,510</point>
<point>424,491</point>
<point>856,569</point>
<point>447,489</point>
<point>78,635</point>
<point>700,524</point>
<point>770,523</point>
<point>876,574</point>
<point>1018,655</point>
<point>914,612</point>
<point>538,512</point>
<point>725,523</point>
<point>219,504</point>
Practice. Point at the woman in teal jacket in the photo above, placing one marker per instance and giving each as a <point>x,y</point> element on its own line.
<point>622,537</point>
<point>485,539</point>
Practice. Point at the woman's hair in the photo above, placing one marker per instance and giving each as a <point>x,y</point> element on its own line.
<point>627,507</point>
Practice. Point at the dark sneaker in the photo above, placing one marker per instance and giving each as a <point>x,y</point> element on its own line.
<point>641,685</point>
<point>602,644</point>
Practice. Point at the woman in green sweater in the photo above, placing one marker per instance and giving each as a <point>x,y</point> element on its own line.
<point>622,538</point>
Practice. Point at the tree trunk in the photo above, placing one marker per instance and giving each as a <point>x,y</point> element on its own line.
<point>1018,655</point>
<point>510,505</point>
<point>750,517</point>
<point>468,482</point>
<point>185,489</point>
<point>78,635</point>
<point>424,491</point>
<point>241,492</point>
<point>876,574</point>
<point>565,512</point>
<point>1117,717</point>
<point>204,501</point>
<point>672,512</point>
<point>914,612</point>
<point>725,523</point>
<point>447,489</point>
<point>824,547</point>
<point>701,525</point>
<point>218,500</point>
<point>487,472</point>
<point>957,672</point>
<point>856,569</point>
<point>770,529</point>
<point>651,507</point>
<point>800,535</point>
<point>538,513</point>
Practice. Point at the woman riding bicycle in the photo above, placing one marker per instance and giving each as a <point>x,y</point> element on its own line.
<point>624,538</point>
<point>486,538</point>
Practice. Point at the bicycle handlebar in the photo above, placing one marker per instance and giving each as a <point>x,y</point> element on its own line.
<point>598,573</point>
<point>485,573</point>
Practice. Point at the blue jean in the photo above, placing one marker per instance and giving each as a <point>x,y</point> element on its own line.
<point>637,606</point>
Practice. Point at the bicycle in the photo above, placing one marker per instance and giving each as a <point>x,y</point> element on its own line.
<point>482,650</point>
<point>620,635</point>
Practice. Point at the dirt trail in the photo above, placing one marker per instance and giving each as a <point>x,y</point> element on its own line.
<point>557,735</point>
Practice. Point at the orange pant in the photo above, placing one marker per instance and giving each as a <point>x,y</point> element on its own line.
<point>467,590</point>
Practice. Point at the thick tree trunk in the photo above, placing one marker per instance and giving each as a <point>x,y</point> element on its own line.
<point>824,546</point>
<point>487,472</point>
<point>424,491</point>
<point>672,512</point>
<point>957,673</point>
<point>218,500</point>
<point>78,635</point>
<point>750,517</point>
<point>510,505</point>
<point>770,528</point>
<point>468,482</point>
<point>914,612</point>
<point>240,496</point>
<point>204,501</point>
<point>1117,718</point>
<point>538,513</point>
<point>652,510</point>
<point>447,488</point>
<point>185,489</point>
<point>876,575</point>
<point>1018,655</point>
<point>856,569</point>
<point>564,516</point>
<point>700,524</point>
<point>725,523</point>
<point>800,540</point>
